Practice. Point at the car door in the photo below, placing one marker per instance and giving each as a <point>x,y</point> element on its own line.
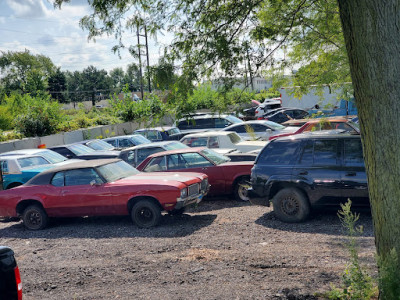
<point>79,192</point>
<point>194,162</point>
<point>354,177</point>
<point>319,168</point>
<point>240,130</point>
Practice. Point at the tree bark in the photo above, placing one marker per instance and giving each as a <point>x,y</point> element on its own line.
<point>372,36</point>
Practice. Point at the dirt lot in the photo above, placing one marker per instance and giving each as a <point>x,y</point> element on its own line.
<point>221,250</point>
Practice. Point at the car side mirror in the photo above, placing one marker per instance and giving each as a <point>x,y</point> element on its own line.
<point>94,183</point>
<point>269,131</point>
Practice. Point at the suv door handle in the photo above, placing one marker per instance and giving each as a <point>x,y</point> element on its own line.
<point>351,174</point>
<point>303,173</point>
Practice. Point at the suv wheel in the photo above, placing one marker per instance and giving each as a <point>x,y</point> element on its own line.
<point>291,205</point>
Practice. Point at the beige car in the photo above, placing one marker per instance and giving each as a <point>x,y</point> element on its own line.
<point>221,139</point>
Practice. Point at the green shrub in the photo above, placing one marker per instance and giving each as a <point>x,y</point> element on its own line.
<point>40,118</point>
<point>356,283</point>
<point>6,118</point>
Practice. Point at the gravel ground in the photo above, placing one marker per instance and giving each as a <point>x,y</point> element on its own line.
<point>222,249</point>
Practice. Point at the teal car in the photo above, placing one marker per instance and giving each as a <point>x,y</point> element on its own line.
<point>18,169</point>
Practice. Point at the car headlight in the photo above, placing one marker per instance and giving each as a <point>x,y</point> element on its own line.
<point>184,193</point>
<point>204,184</point>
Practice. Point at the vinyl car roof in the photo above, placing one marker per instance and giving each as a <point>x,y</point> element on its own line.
<point>45,176</point>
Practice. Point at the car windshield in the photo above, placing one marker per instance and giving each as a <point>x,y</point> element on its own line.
<point>173,131</point>
<point>139,139</point>
<point>214,156</point>
<point>273,125</point>
<point>174,146</point>
<point>117,170</point>
<point>233,119</point>
<point>99,145</point>
<point>80,149</point>
<point>234,137</point>
<point>51,156</point>
<point>355,125</point>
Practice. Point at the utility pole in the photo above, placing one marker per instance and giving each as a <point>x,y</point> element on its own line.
<point>140,60</point>
<point>140,63</point>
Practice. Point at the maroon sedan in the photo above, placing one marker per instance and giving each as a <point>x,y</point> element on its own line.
<point>225,177</point>
<point>100,188</point>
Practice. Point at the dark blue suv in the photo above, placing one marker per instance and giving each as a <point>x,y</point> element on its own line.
<point>298,173</point>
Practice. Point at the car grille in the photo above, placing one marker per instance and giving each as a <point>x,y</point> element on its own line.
<point>193,189</point>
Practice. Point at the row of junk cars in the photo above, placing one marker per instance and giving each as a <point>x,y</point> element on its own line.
<point>300,166</point>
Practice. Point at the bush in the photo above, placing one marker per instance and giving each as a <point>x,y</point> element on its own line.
<point>6,118</point>
<point>41,117</point>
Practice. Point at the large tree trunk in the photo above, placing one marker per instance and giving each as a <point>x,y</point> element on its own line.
<point>372,35</point>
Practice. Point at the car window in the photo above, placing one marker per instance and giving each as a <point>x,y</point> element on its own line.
<point>81,177</point>
<point>217,158</point>
<point>195,160</point>
<point>125,143</point>
<point>199,142</point>
<point>175,162</point>
<point>99,145</point>
<point>306,157</point>
<point>279,152</point>
<point>204,123</point>
<point>213,142</point>
<point>259,128</point>
<point>344,126</point>
<point>153,135</point>
<point>4,166</point>
<point>234,137</point>
<point>128,156</point>
<point>221,123</point>
<point>112,142</point>
<point>26,162</point>
<point>64,151</point>
<point>273,125</point>
<point>144,152</point>
<point>238,129</point>
<point>156,164</point>
<point>58,179</point>
<point>138,139</point>
<point>325,152</point>
<point>353,154</point>
<point>233,119</point>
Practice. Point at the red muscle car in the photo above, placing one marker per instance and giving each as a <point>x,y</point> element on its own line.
<point>225,177</point>
<point>99,188</point>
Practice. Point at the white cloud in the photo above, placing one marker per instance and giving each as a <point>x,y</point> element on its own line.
<point>28,8</point>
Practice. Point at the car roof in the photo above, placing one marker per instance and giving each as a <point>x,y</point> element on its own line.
<point>322,134</point>
<point>121,136</point>
<point>178,151</point>
<point>6,157</point>
<point>44,177</point>
<point>209,133</point>
<point>25,151</point>
<point>151,145</point>
<point>163,128</point>
<point>328,119</point>
<point>204,116</point>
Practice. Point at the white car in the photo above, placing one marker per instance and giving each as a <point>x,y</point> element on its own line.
<point>221,139</point>
<point>259,129</point>
<point>268,105</point>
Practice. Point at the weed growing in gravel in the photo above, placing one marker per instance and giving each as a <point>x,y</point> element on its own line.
<point>356,283</point>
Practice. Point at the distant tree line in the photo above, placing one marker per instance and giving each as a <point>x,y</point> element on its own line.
<point>22,72</point>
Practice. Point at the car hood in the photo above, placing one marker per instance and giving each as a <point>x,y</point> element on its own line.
<point>288,129</point>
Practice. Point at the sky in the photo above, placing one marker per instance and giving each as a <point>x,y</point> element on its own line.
<point>37,26</point>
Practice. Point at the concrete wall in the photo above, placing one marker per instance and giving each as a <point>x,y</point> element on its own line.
<point>79,135</point>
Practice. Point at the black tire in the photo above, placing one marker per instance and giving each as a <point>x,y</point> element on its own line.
<point>291,205</point>
<point>146,214</point>
<point>177,212</point>
<point>240,189</point>
<point>34,217</point>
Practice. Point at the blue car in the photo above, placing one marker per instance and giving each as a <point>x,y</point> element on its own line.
<point>159,134</point>
<point>18,169</point>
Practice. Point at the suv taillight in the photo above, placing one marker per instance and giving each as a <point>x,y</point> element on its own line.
<point>18,282</point>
